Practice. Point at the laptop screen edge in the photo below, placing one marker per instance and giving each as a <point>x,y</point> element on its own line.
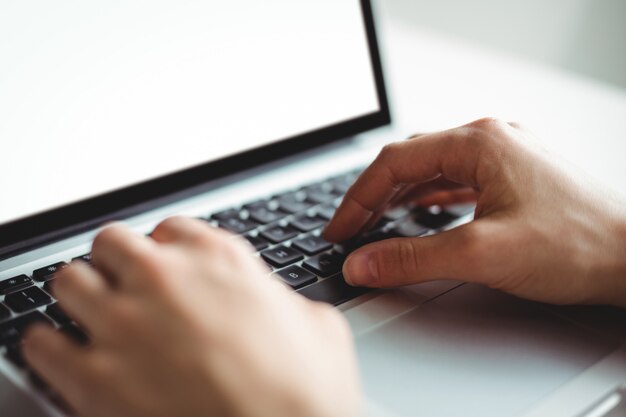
<point>39,229</point>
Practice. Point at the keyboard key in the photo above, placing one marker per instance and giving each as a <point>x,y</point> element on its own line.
<point>396,213</point>
<point>296,277</point>
<point>48,286</point>
<point>279,234</point>
<point>14,354</point>
<point>306,223</point>
<point>461,210</point>
<point>264,215</point>
<point>326,211</point>
<point>433,220</point>
<point>57,314</point>
<point>408,228</point>
<point>324,265</point>
<point>254,205</point>
<point>27,299</point>
<point>237,225</point>
<point>47,272</point>
<point>85,258</point>
<point>281,256</point>
<point>257,242</point>
<point>293,202</point>
<point>226,214</point>
<point>333,290</point>
<point>312,245</point>
<point>342,250</point>
<point>15,283</point>
<point>376,235</point>
<point>320,193</point>
<point>5,313</point>
<point>11,331</point>
<point>342,183</point>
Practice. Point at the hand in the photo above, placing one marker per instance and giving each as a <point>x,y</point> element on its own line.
<point>189,324</point>
<point>541,230</point>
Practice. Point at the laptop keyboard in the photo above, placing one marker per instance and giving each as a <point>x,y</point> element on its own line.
<point>284,229</point>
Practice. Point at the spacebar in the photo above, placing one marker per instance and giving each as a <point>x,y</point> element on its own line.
<point>333,290</point>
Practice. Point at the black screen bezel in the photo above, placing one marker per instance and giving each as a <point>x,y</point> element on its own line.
<point>29,232</point>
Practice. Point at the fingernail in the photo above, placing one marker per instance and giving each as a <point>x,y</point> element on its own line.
<point>360,269</point>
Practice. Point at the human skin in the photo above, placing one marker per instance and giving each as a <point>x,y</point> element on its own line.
<point>542,230</point>
<point>188,323</point>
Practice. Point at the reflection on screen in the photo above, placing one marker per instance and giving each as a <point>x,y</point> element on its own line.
<point>95,96</point>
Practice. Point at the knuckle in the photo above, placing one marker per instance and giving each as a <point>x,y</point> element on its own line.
<point>171,223</point>
<point>239,246</point>
<point>105,236</point>
<point>488,123</point>
<point>388,151</point>
<point>154,271</point>
<point>147,262</point>
<point>231,249</point>
<point>407,253</point>
<point>202,238</point>
<point>210,238</point>
<point>491,137</point>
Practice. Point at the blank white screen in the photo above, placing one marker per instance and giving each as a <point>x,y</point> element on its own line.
<point>98,95</point>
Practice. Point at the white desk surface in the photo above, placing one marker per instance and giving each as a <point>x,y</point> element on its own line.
<point>436,82</point>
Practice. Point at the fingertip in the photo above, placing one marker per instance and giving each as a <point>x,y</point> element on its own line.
<point>347,221</point>
<point>332,232</point>
<point>113,225</point>
<point>360,269</point>
<point>328,233</point>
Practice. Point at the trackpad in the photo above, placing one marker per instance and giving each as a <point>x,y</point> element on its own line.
<point>473,351</point>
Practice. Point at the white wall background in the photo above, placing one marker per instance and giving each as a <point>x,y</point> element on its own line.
<point>584,36</point>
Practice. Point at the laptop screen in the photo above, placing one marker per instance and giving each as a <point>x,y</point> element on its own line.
<point>95,96</point>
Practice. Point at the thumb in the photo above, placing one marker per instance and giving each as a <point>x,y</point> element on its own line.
<point>459,253</point>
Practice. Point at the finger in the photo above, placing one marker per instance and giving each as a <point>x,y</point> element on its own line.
<point>419,191</point>
<point>416,135</point>
<point>460,253</point>
<point>194,233</point>
<point>185,230</point>
<point>447,198</point>
<point>400,197</point>
<point>55,358</point>
<point>82,292</point>
<point>117,250</point>
<point>451,153</point>
<point>373,221</point>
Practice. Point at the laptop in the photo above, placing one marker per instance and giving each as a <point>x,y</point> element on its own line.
<point>255,117</point>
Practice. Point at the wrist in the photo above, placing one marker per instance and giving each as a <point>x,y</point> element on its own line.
<point>622,262</point>
<point>616,288</point>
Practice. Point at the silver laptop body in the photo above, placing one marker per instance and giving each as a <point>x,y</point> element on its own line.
<point>132,113</point>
